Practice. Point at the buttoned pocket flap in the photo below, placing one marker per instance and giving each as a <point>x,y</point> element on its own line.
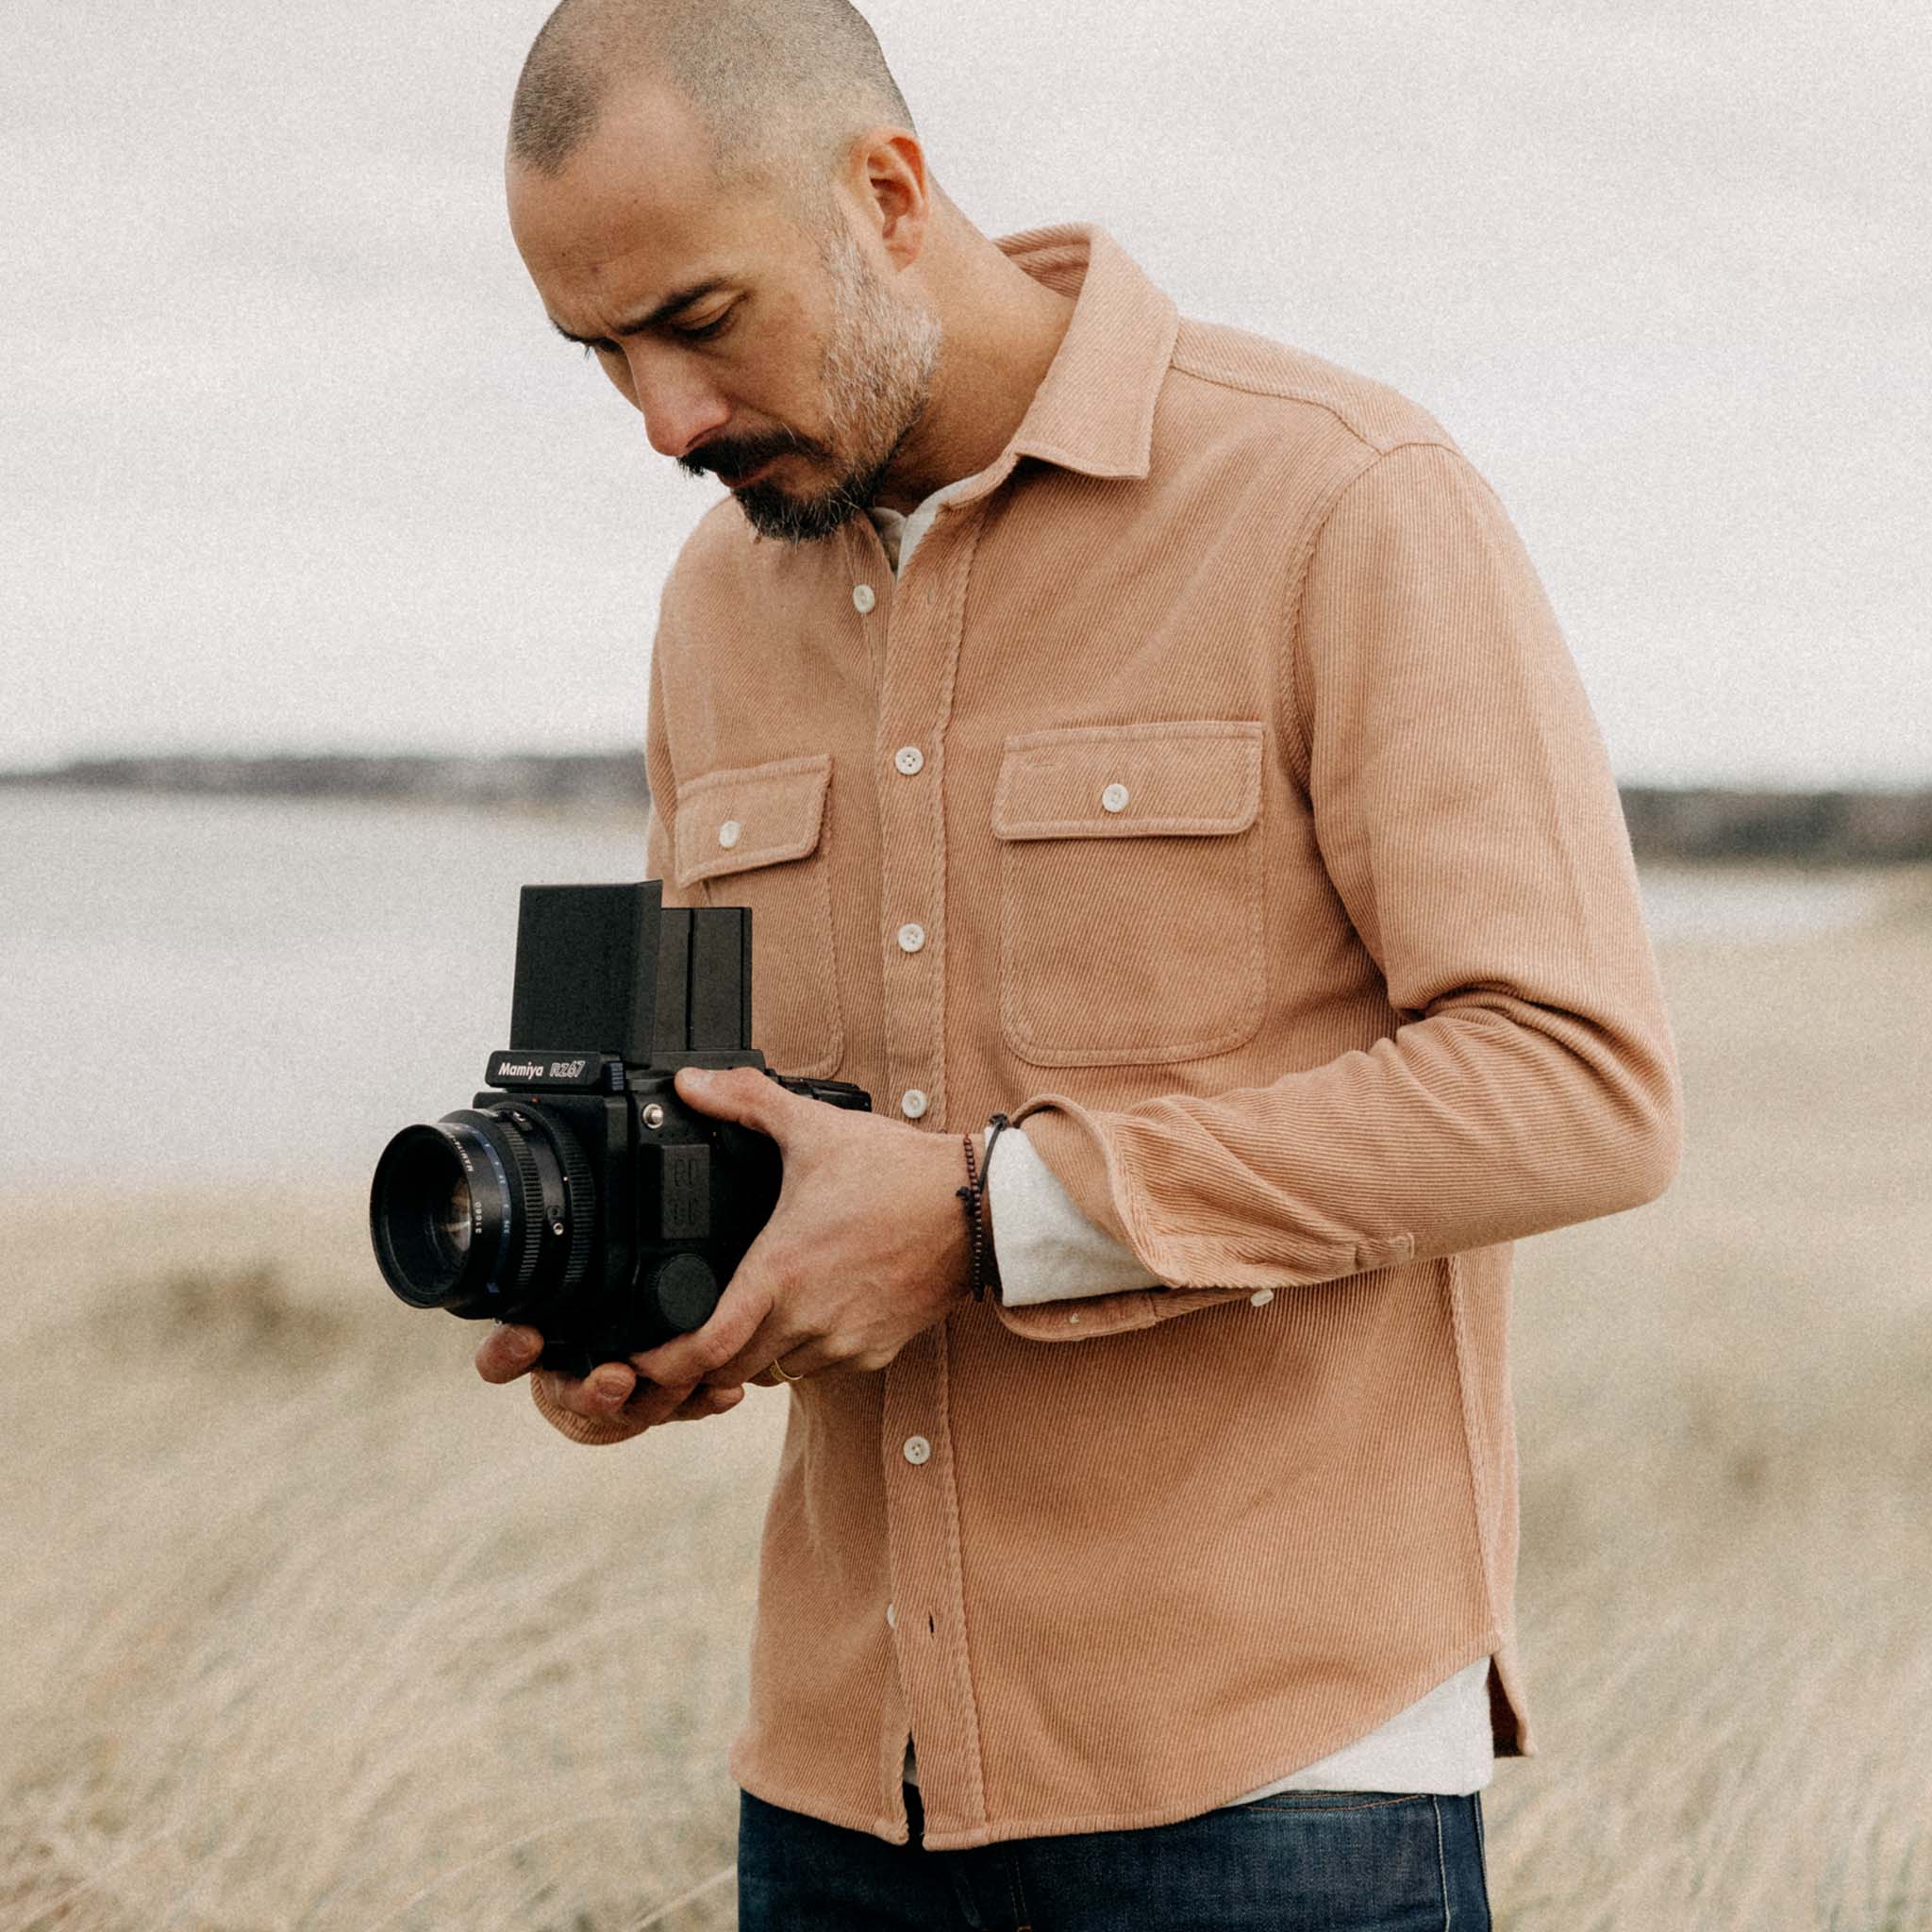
<point>1110,781</point>
<point>756,815</point>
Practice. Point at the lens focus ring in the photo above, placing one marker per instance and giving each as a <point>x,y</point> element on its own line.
<point>529,1218</point>
<point>578,1206</point>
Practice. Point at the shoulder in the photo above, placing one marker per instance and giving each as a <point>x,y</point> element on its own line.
<point>726,574</point>
<point>1232,383</point>
<point>718,551</point>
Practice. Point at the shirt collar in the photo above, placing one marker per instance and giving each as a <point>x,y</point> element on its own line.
<point>1093,410</point>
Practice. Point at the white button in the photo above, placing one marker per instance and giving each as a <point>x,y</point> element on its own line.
<point>1074,1320</point>
<point>917,1449</point>
<point>728,832</point>
<point>1114,797</point>
<point>911,937</point>
<point>1262,1299</point>
<point>913,1102</point>
<point>909,759</point>
<point>892,1618</point>
<point>862,598</point>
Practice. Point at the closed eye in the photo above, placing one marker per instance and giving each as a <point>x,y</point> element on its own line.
<point>702,334</point>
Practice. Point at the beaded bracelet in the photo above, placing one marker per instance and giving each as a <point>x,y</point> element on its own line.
<point>974,1195</point>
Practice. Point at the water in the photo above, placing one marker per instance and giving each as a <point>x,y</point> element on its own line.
<point>202,987</point>
<point>1755,907</point>
<point>195,987</point>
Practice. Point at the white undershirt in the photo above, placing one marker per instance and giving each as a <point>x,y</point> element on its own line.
<point>1049,1251</point>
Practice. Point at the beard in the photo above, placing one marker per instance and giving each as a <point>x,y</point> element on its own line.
<point>876,370</point>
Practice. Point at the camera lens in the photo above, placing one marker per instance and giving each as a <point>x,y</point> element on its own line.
<point>483,1213</point>
<point>452,1229</point>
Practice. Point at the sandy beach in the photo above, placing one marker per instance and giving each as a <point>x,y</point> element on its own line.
<point>311,1629</point>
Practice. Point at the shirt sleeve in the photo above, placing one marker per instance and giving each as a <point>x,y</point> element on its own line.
<point>1466,813</point>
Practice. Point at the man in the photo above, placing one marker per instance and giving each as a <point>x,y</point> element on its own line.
<point>1156,733</point>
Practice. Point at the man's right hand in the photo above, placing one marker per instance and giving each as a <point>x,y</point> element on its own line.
<point>609,1405</point>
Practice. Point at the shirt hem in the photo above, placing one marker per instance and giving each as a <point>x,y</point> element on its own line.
<point>893,1832</point>
<point>970,1837</point>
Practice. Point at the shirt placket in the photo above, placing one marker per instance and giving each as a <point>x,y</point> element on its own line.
<point>918,647</point>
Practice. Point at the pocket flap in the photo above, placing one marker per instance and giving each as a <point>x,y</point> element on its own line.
<point>1101,781</point>
<point>757,815</point>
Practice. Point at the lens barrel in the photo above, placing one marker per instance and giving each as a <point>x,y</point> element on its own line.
<point>487,1212</point>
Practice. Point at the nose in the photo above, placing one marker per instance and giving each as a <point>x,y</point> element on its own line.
<point>679,408</point>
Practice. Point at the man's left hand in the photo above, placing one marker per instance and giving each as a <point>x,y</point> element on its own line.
<point>867,1247</point>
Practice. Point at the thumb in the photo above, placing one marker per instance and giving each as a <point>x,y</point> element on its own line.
<point>734,1094</point>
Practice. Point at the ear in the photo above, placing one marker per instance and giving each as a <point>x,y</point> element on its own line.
<point>895,193</point>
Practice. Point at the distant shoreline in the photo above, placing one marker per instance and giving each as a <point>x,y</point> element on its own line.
<point>1823,827</point>
<point>590,779</point>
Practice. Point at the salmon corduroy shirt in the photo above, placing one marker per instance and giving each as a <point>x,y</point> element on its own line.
<point>1215,794</point>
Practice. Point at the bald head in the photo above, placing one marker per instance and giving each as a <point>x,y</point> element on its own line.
<point>781,87</point>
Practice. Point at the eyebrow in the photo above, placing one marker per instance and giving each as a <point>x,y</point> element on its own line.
<point>671,304</point>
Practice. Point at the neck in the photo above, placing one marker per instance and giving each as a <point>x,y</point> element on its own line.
<point>1001,332</point>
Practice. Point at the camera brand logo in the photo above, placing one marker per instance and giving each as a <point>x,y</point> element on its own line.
<point>503,1067</point>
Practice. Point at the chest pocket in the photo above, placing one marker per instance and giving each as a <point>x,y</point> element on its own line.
<point>754,838</point>
<point>1130,892</point>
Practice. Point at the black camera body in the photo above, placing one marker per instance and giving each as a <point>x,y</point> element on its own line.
<point>579,1193</point>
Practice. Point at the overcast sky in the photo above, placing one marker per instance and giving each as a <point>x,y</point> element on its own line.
<point>289,458</point>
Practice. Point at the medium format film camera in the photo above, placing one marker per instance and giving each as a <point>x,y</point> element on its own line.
<point>581,1195</point>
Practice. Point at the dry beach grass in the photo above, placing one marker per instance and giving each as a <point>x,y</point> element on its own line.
<point>307,1628</point>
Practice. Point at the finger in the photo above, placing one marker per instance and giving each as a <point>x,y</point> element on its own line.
<point>802,1355</point>
<point>608,1387</point>
<point>629,1421</point>
<point>768,1345</point>
<point>804,1361</point>
<point>703,1402</point>
<point>803,1352</point>
<point>742,1310</point>
<point>578,1428</point>
<point>653,1403</point>
<point>594,1397</point>
<point>738,1093</point>
<point>611,1393</point>
<point>507,1351</point>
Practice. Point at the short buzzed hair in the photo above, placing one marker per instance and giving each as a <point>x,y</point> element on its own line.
<point>780,86</point>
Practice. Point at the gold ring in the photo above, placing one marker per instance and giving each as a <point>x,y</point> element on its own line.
<point>778,1370</point>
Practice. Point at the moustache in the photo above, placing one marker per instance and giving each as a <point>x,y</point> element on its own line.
<point>733,460</point>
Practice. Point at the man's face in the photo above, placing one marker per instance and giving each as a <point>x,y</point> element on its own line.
<point>796,375</point>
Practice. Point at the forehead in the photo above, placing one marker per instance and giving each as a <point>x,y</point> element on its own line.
<point>636,212</point>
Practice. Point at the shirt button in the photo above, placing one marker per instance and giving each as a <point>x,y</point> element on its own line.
<point>1114,797</point>
<point>728,832</point>
<point>913,1102</point>
<point>909,759</point>
<point>892,1618</point>
<point>911,937</point>
<point>917,1449</point>
<point>862,598</point>
<point>1262,1299</point>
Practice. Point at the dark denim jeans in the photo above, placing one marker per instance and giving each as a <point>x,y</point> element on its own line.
<point>1302,1861</point>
